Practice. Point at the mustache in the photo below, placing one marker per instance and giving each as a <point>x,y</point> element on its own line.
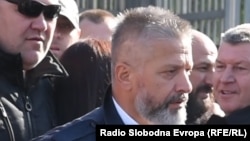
<point>177,98</point>
<point>180,97</point>
<point>205,88</point>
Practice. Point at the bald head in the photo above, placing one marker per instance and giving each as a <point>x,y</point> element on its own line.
<point>204,56</point>
<point>202,44</point>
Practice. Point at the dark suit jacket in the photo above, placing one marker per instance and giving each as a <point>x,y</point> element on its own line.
<point>83,128</point>
<point>238,117</point>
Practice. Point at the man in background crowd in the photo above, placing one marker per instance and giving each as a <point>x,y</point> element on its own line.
<point>232,76</point>
<point>201,104</point>
<point>67,29</point>
<point>97,23</point>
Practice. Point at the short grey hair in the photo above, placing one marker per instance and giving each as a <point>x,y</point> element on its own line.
<point>150,23</point>
<point>237,34</point>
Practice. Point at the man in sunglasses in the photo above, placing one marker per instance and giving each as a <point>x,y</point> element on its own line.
<point>67,29</point>
<point>26,68</point>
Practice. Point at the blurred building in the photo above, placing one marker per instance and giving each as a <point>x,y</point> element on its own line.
<point>209,16</point>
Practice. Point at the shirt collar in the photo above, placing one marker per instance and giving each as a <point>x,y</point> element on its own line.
<point>127,120</point>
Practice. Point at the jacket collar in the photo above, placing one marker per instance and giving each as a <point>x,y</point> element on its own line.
<point>238,117</point>
<point>111,115</point>
<point>11,67</point>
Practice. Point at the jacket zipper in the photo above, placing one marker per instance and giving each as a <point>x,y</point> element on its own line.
<point>28,108</point>
<point>7,122</point>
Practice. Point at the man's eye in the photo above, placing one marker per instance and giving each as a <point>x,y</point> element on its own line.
<point>219,67</point>
<point>202,69</point>
<point>64,28</point>
<point>171,71</point>
<point>240,68</point>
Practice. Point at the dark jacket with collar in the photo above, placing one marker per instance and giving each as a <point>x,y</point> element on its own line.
<point>238,117</point>
<point>83,128</point>
<point>26,105</point>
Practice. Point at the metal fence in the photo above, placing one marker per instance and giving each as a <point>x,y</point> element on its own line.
<point>208,16</point>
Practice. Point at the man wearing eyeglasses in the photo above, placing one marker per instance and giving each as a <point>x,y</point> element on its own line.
<point>26,66</point>
<point>67,29</point>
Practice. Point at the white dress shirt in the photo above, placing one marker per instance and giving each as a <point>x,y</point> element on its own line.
<point>127,120</point>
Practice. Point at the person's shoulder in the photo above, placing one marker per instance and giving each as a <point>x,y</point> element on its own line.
<point>77,130</point>
<point>81,129</point>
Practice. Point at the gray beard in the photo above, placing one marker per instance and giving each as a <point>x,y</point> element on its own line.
<point>160,114</point>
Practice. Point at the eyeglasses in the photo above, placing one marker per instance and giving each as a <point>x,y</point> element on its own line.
<point>32,8</point>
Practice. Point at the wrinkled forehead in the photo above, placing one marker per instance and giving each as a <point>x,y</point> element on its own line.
<point>240,47</point>
<point>171,45</point>
<point>184,43</point>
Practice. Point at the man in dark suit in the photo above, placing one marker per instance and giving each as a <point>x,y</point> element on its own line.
<point>151,63</point>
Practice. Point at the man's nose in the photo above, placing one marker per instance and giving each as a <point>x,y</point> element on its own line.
<point>184,84</point>
<point>227,76</point>
<point>40,23</point>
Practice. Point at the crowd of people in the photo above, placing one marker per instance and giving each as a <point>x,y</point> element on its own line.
<point>62,71</point>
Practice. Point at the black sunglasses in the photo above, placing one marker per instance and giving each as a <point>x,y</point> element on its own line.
<point>31,8</point>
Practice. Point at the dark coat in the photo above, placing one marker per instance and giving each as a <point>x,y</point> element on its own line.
<point>26,105</point>
<point>241,116</point>
<point>83,128</point>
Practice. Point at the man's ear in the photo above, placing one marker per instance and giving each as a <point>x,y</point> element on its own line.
<point>124,75</point>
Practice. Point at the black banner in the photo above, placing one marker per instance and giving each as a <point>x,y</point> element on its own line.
<point>188,132</point>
